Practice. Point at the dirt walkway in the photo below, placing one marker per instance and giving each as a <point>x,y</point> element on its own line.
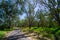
<point>17,35</point>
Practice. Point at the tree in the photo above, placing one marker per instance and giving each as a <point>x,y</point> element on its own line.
<point>9,14</point>
<point>40,15</point>
<point>54,8</point>
<point>29,12</point>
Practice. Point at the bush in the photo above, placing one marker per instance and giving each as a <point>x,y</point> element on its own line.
<point>2,34</point>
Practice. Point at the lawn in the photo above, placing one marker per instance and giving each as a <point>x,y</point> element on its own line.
<point>4,32</point>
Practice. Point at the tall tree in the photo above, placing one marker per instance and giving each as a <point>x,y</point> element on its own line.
<point>54,8</point>
<point>9,11</point>
<point>29,12</point>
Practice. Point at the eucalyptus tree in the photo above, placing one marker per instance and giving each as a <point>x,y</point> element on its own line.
<point>42,20</point>
<point>29,10</point>
<point>9,12</point>
<point>54,13</point>
<point>54,7</point>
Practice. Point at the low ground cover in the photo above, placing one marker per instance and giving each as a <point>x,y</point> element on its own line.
<point>45,31</point>
<point>4,32</point>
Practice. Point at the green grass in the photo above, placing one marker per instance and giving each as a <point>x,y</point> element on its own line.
<point>4,32</point>
<point>45,31</point>
<point>42,29</point>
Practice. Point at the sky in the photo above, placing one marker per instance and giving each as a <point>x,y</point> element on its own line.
<point>22,16</point>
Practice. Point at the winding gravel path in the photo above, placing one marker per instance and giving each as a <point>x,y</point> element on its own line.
<point>17,35</point>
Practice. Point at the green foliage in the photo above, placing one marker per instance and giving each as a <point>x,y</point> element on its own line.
<point>58,32</point>
<point>40,21</point>
<point>45,31</point>
<point>9,14</point>
<point>2,34</point>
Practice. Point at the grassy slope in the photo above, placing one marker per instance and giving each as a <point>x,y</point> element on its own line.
<point>4,32</point>
<point>46,32</point>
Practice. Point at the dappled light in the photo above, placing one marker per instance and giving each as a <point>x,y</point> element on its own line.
<point>29,19</point>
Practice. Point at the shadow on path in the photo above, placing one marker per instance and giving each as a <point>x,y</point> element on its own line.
<point>16,37</point>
